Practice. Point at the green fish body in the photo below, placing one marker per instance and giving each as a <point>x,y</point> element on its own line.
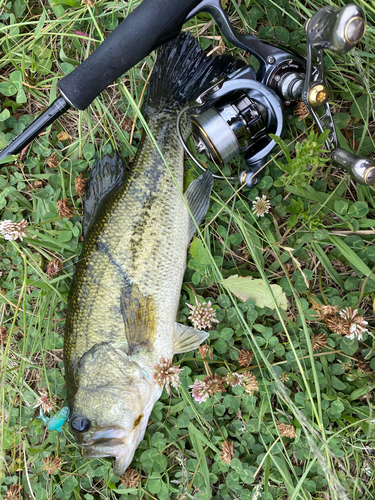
<point>125,293</point>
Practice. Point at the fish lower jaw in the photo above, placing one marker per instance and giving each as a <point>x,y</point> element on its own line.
<point>91,454</point>
<point>122,450</point>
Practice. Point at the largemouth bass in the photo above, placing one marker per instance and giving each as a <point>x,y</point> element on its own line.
<point>125,292</point>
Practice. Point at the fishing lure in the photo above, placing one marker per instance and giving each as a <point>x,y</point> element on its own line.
<point>56,422</point>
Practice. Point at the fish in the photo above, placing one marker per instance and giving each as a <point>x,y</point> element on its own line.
<point>124,297</point>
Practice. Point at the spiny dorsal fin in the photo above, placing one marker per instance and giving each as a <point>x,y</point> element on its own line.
<point>187,339</point>
<point>182,69</point>
<point>107,175</point>
<point>139,314</point>
<point>198,199</point>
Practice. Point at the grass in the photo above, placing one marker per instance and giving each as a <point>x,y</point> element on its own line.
<point>316,243</point>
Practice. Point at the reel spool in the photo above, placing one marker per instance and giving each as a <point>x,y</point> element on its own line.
<point>230,127</point>
<point>238,115</point>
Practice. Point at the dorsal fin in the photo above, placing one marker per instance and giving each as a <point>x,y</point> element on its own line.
<point>107,175</point>
<point>182,69</point>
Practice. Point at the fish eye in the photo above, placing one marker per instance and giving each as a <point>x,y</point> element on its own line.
<point>80,424</point>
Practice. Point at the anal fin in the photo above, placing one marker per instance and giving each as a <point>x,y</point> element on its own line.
<point>198,198</point>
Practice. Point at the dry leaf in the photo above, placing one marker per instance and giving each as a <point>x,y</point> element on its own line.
<point>228,452</point>
<point>63,136</point>
<point>52,160</point>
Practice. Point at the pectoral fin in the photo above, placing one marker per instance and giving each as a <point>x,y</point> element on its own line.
<point>198,199</point>
<point>106,176</point>
<point>187,339</point>
<point>139,314</point>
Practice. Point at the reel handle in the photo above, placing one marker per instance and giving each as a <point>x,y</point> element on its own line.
<point>337,30</point>
<point>361,169</point>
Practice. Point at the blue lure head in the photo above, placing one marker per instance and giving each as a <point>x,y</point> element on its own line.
<point>56,422</point>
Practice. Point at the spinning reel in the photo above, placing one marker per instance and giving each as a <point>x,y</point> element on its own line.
<point>238,112</point>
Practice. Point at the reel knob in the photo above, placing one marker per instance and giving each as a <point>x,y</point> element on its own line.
<point>336,30</point>
<point>361,169</point>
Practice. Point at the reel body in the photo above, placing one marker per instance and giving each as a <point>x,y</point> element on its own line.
<point>240,115</point>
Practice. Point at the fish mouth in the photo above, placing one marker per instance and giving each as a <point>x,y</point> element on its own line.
<point>111,442</point>
<point>101,435</point>
<point>105,442</point>
<point>102,444</point>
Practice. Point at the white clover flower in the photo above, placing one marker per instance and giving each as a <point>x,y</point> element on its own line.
<point>202,315</point>
<point>233,379</point>
<point>199,391</point>
<point>166,373</point>
<point>261,206</point>
<point>13,230</point>
<point>355,322</point>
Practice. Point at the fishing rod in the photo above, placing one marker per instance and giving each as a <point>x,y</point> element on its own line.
<point>151,24</point>
<point>237,112</point>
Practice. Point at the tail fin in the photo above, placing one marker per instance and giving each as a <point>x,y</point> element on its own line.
<point>182,69</point>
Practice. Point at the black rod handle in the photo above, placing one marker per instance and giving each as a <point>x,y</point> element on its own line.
<point>151,24</point>
<point>57,108</point>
